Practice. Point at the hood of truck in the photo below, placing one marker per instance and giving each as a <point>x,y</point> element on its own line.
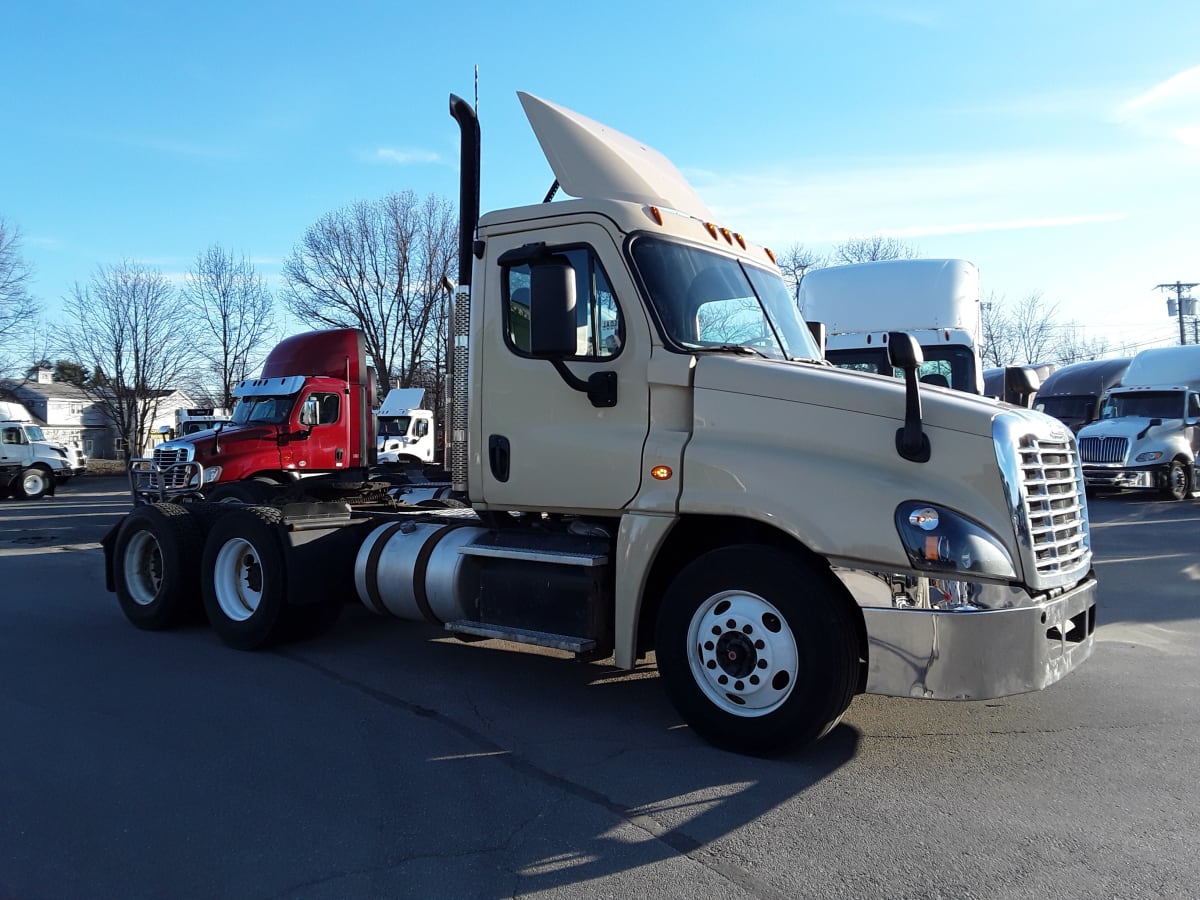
<point>873,395</point>
<point>593,161</point>
<point>1128,427</point>
<point>235,440</point>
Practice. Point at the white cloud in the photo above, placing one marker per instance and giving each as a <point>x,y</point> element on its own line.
<point>403,156</point>
<point>1170,109</point>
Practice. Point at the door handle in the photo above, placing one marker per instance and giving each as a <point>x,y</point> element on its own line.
<point>498,456</point>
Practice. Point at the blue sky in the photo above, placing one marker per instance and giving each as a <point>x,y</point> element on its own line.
<point>1054,143</point>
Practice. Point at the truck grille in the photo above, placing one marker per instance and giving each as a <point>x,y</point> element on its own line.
<point>1045,488</point>
<point>1053,509</point>
<point>1103,449</point>
<point>166,456</point>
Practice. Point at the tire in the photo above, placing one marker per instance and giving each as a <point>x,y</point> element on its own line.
<point>244,577</point>
<point>156,565</point>
<point>249,493</point>
<point>1177,482</point>
<point>33,483</point>
<point>757,649</point>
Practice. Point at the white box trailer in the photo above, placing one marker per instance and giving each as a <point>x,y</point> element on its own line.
<point>934,300</point>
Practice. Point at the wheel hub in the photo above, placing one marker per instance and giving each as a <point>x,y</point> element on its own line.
<point>743,656</point>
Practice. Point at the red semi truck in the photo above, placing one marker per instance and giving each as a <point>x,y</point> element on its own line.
<point>308,413</point>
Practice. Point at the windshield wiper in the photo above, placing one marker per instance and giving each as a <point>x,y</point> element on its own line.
<point>728,348</point>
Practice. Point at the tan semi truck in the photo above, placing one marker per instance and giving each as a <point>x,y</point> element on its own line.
<point>651,459</point>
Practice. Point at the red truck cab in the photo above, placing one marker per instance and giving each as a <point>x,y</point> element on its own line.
<point>308,412</point>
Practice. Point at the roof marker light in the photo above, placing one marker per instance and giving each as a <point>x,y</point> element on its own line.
<point>741,240</point>
<point>656,214</point>
<point>712,229</point>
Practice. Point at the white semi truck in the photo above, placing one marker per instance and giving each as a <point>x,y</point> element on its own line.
<point>1148,433</point>
<point>934,300</point>
<point>31,466</point>
<point>651,458</point>
<point>404,431</point>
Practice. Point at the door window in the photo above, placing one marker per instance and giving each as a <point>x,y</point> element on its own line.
<point>600,328</point>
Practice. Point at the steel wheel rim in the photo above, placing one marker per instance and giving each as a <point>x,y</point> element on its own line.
<point>742,653</point>
<point>144,568</point>
<point>33,482</point>
<point>238,579</point>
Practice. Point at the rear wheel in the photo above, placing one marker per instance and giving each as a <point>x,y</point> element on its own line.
<point>249,493</point>
<point>757,649</point>
<point>1177,482</point>
<point>157,566</point>
<point>33,483</point>
<point>244,577</point>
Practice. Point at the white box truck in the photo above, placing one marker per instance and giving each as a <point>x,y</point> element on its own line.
<point>1148,435</point>
<point>934,300</point>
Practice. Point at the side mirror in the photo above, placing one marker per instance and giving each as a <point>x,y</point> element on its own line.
<point>552,321</point>
<point>905,353</point>
<point>1020,384</point>
<point>817,330</point>
<point>308,415</point>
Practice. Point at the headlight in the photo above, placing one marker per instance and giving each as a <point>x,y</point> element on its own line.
<point>939,540</point>
<point>1149,456</point>
<point>211,474</point>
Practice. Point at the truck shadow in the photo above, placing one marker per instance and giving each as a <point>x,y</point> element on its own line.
<point>612,778</point>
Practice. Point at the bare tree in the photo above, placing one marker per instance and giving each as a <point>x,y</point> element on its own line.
<point>1028,331</point>
<point>872,248</point>
<point>127,327</point>
<point>379,267</point>
<point>18,309</point>
<point>236,309</point>
<point>794,262</point>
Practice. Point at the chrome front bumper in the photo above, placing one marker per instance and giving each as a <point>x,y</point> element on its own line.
<point>1121,478</point>
<point>976,655</point>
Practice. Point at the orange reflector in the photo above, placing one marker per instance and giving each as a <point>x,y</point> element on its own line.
<point>656,214</point>
<point>712,229</point>
<point>931,547</point>
<point>661,473</point>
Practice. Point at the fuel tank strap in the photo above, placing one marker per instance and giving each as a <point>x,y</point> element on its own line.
<point>422,562</point>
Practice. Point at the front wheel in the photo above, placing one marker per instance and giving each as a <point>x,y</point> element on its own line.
<point>33,484</point>
<point>757,649</point>
<point>1177,483</point>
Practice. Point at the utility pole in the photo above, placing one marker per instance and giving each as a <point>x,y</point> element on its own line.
<point>1179,288</point>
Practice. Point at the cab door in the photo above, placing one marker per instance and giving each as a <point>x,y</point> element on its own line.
<point>322,440</point>
<point>544,445</point>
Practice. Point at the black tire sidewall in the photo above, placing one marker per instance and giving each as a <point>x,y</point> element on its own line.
<point>260,528</point>
<point>180,543</point>
<point>808,597</point>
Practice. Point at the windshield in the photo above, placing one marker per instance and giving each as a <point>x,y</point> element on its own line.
<point>34,433</point>
<point>394,427</point>
<point>1067,406</point>
<point>705,301</point>
<point>262,410</point>
<point>947,365</point>
<point>1145,404</point>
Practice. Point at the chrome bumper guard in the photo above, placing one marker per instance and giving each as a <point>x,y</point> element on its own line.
<point>977,655</point>
<point>149,483</point>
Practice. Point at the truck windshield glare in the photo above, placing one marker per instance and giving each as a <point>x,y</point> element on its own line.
<point>1145,404</point>
<point>262,410</point>
<point>708,301</point>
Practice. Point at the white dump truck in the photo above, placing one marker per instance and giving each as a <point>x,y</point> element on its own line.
<point>651,461</point>
<point>934,300</point>
<point>1148,433</point>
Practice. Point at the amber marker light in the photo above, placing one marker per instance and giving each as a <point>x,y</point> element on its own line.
<point>770,255</point>
<point>728,235</point>
<point>712,229</point>
<point>656,214</point>
<point>661,473</point>
<point>741,240</point>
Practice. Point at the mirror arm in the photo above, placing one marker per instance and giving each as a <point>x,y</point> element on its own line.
<point>601,387</point>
